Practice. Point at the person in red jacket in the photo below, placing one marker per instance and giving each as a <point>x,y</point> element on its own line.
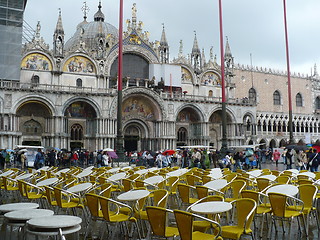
<point>276,156</point>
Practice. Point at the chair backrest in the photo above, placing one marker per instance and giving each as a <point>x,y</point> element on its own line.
<point>245,208</point>
<point>184,223</point>
<point>134,176</point>
<point>21,189</point>
<point>127,184</point>
<point>92,201</point>
<point>58,195</point>
<point>283,179</point>
<point>230,176</point>
<point>160,197</point>
<point>184,192</point>
<point>193,179</point>
<point>236,187</point>
<point>262,183</point>
<point>106,189</point>
<point>250,194</point>
<point>105,208</point>
<point>172,183</point>
<point>158,219</point>
<point>202,191</point>
<point>278,203</point>
<point>206,179</point>
<point>275,172</point>
<point>49,192</point>
<point>307,193</point>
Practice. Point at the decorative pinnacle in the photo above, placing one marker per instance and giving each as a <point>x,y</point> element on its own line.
<point>85,9</point>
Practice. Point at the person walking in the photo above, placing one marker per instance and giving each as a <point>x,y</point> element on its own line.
<point>276,156</point>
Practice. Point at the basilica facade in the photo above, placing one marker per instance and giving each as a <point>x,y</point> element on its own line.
<point>67,96</point>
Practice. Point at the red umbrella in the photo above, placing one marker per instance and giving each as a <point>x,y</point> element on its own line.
<point>317,147</point>
<point>170,152</point>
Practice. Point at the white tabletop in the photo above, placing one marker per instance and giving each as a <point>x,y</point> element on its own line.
<point>308,174</point>
<point>117,176</point>
<point>213,207</point>
<point>215,173</point>
<point>24,176</point>
<point>84,173</point>
<point>154,180</point>
<point>7,173</point>
<point>80,187</point>
<point>142,171</point>
<point>113,170</point>
<point>88,168</point>
<point>269,177</point>
<point>18,206</point>
<point>217,184</point>
<point>44,168</point>
<point>47,182</point>
<point>133,195</point>
<point>286,189</point>
<point>62,171</point>
<point>55,221</point>
<point>178,172</point>
<point>26,214</point>
<point>255,173</point>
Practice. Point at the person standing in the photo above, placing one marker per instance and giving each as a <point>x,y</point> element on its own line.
<point>289,156</point>
<point>23,158</point>
<point>39,160</point>
<point>276,156</point>
<point>314,161</point>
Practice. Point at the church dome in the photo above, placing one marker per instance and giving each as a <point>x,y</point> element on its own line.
<point>87,32</point>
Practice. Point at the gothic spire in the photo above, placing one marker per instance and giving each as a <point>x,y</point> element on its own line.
<point>59,27</point>
<point>85,9</point>
<point>163,40</point>
<point>195,48</point>
<point>227,53</point>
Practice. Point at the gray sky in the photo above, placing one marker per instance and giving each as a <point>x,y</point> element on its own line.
<point>252,26</point>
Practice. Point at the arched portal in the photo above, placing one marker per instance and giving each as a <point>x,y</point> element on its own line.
<point>188,127</point>
<point>34,121</point>
<point>215,128</point>
<point>81,125</point>
<point>135,137</point>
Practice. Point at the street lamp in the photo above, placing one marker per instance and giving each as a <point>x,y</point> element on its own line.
<point>119,141</point>
<point>291,141</point>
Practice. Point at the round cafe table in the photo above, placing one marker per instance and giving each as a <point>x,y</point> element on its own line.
<point>308,174</point>
<point>255,173</point>
<point>47,182</point>
<point>177,173</point>
<point>84,173</point>
<point>142,171</point>
<point>54,225</point>
<point>269,177</point>
<point>26,214</point>
<point>154,180</point>
<point>133,195</point>
<point>7,173</point>
<point>215,173</point>
<point>214,207</point>
<point>17,206</point>
<point>80,187</point>
<point>117,176</point>
<point>286,189</point>
<point>62,171</point>
<point>217,184</point>
<point>24,176</point>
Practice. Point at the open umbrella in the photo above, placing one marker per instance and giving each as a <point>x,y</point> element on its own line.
<point>112,154</point>
<point>169,152</point>
<point>9,150</point>
<point>317,147</point>
<point>108,150</point>
<point>22,150</point>
<point>297,147</point>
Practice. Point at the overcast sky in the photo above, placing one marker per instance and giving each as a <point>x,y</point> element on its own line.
<point>252,26</point>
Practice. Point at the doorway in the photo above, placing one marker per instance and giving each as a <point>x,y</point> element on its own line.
<point>131,143</point>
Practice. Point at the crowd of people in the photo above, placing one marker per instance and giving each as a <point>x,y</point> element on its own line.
<point>186,158</point>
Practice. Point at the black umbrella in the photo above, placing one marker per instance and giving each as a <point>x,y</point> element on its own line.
<point>297,147</point>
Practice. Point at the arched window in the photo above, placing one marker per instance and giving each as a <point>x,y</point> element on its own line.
<point>298,100</point>
<point>182,134</point>
<point>79,82</point>
<point>35,80</point>
<point>276,98</point>
<point>318,103</point>
<point>76,132</point>
<point>252,95</point>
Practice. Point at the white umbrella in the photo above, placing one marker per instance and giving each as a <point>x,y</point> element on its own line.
<point>108,150</point>
<point>23,151</point>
